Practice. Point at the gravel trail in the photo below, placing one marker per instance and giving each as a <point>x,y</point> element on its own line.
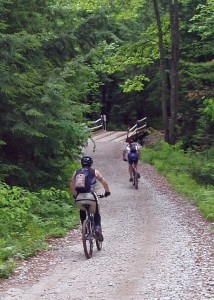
<point>156,245</point>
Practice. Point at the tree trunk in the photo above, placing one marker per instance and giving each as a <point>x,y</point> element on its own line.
<point>163,68</point>
<point>174,97</point>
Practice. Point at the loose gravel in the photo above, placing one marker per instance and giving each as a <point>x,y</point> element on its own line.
<point>156,245</point>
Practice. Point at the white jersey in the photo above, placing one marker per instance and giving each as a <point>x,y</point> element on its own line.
<point>127,147</point>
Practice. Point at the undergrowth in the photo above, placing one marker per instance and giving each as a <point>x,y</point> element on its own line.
<point>191,173</point>
<point>28,219</point>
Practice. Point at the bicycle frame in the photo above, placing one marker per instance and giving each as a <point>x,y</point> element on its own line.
<point>88,232</point>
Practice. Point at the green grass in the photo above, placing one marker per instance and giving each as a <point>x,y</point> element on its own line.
<point>191,174</point>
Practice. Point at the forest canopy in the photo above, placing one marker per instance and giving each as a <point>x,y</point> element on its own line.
<point>63,63</point>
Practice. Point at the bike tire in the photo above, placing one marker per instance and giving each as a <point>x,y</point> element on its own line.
<point>136,180</point>
<point>87,238</point>
<point>133,176</point>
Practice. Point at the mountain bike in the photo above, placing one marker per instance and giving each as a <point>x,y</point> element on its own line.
<point>88,203</point>
<point>135,175</point>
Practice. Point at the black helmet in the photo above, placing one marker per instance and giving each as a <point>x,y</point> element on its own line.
<point>86,161</point>
<point>133,148</point>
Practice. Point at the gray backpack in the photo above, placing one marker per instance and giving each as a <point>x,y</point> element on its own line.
<point>82,182</point>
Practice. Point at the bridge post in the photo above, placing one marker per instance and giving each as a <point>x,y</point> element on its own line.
<point>103,118</point>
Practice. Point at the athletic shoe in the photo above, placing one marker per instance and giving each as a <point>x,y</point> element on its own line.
<point>138,175</point>
<point>98,233</point>
<point>131,179</point>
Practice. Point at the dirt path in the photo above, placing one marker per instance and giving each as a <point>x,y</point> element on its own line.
<point>156,247</point>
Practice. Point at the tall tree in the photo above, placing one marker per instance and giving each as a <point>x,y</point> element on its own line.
<point>174,92</point>
<point>163,70</point>
<point>170,108</point>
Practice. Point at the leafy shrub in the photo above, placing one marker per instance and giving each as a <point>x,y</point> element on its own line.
<point>29,219</point>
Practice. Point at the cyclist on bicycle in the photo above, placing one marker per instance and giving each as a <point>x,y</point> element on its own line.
<point>86,162</point>
<point>133,157</point>
<point>131,147</point>
<point>126,149</point>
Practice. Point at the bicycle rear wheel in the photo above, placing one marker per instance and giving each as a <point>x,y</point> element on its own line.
<point>87,238</point>
<point>136,180</point>
<point>133,176</point>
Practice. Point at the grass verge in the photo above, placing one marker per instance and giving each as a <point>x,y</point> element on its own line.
<point>189,173</point>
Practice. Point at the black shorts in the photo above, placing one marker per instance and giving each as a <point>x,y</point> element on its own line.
<point>134,161</point>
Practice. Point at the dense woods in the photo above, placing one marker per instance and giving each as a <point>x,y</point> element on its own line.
<point>64,63</point>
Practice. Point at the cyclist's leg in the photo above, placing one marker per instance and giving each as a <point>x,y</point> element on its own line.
<point>130,172</point>
<point>97,221</point>
<point>136,176</point>
<point>97,216</point>
<point>136,166</point>
<point>124,154</point>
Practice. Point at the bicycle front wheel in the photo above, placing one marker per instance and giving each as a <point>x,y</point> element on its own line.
<point>87,238</point>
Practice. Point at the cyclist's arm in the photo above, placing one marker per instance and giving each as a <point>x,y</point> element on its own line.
<point>137,157</point>
<point>102,180</point>
<point>72,185</point>
<point>139,148</point>
<point>124,154</point>
<point>125,151</point>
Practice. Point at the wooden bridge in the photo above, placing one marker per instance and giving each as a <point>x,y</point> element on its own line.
<point>135,133</point>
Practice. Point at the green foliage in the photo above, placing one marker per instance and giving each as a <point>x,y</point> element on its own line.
<point>39,101</point>
<point>203,21</point>
<point>29,219</point>
<point>136,84</point>
<point>203,137</point>
<point>189,172</point>
<point>62,63</point>
<point>209,108</point>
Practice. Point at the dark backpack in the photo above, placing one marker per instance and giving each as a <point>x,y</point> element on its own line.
<point>82,181</point>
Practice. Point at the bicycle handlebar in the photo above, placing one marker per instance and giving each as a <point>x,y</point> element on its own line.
<point>102,196</point>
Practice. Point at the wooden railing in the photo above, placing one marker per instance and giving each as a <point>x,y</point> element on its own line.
<point>134,132</point>
<point>137,130</point>
<point>99,124</point>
